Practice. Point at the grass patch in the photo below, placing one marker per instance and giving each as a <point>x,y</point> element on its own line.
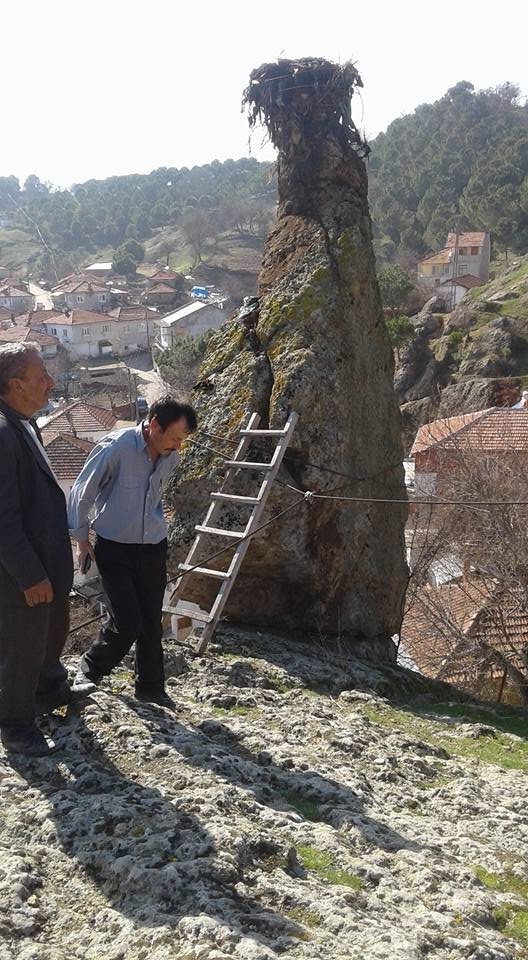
<point>503,882</point>
<point>237,711</point>
<point>513,308</point>
<point>508,719</point>
<point>307,808</point>
<point>512,921</point>
<point>323,864</point>
<point>500,749</point>
<point>306,918</point>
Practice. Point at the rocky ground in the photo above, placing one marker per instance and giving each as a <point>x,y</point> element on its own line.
<point>288,806</point>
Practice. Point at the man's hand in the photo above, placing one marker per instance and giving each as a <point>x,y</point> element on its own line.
<point>84,549</point>
<point>39,593</point>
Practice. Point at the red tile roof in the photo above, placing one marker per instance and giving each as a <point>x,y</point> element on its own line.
<point>432,433</point>
<point>467,280</point>
<point>74,317</point>
<point>75,281</point>
<point>20,333</point>
<point>472,239</point>
<point>79,417</point>
<point>131,312</point>
<point>441,257</point>
<point>160,288</point>
<point>10,291</point>
<point>165,274</point>
<point>67,454</point>
<point>449,630</point>
<point>496,429</point>
<point>81,286</point>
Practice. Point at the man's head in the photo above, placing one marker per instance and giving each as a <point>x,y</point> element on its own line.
<point>169,423</point>
<point>25,383</point>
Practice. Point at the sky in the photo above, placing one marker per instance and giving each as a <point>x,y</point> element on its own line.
<point>105,87</point>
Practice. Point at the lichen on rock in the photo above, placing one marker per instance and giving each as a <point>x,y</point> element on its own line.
<point>319,348</point>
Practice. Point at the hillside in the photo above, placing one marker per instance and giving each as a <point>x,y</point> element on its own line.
<point>462,158</point>
<point>472,358</point>
<point>177,213</point>
<point>293,805</point>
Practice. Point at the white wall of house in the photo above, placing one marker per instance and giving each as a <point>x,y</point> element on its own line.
<point>210,317</point>
<point>83,340</point>
<point>17,305</point>
<point>88,301</point>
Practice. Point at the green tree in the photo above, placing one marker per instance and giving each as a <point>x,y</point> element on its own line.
<point>401,332</point>
<point>395,285</point>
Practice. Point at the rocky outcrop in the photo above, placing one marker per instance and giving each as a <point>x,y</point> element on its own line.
<point>318,347</point>
<point>286,808</point>
<point>473,357</point>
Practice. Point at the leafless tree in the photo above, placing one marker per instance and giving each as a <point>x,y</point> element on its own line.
<point>472,629</point>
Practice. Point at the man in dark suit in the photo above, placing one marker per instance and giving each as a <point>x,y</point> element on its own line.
<point>36,564</point>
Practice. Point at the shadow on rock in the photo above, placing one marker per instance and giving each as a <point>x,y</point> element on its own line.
<point>150,855</point>
<point>286,787</point>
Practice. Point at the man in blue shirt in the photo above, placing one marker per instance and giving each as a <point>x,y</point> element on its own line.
<point>119,495</point>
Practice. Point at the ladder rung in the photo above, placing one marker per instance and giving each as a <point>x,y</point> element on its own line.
<point>235,498</point>
<point>219,574</point>
<point>217,532</point>
<point>247,465</point>
<point>263,433</point>
<point>191,614</point>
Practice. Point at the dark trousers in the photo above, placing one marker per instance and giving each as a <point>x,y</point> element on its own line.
<point>31,642</point>
<point>133,577</point>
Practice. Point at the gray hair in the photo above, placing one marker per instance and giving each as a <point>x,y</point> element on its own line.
<point>13,361</point>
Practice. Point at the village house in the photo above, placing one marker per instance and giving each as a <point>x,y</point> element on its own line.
<point>80,419</point>
<point>21,333</point>
<point>469,257</point>
<point>103,270</point>
<point>167,277</point>
<point>15,298</point>
<point>471,633</point>
<point>453,290</point>
<point>190,320</point>
<point>67,455</point>
<point>145,317</point>
<point>439,447</point>
<point>78,292</point>
<point>160,295</point>
<point>86,333</point>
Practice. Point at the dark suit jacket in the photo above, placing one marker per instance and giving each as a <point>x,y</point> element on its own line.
<point>34,539</point>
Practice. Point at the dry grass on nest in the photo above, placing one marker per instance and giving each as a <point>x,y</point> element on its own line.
<point>290,93</point>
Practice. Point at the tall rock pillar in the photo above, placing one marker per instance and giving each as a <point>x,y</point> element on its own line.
<point>318,346</point>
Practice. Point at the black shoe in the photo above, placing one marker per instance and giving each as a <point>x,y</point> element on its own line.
<point>84,684</point>
<point>159,697</point>
<point>48,702</point>
<point>31,744</point>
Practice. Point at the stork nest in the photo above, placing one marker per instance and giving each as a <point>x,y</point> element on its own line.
<point>289,96</point>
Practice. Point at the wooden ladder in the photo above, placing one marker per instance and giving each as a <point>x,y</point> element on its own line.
<point>176,606</point>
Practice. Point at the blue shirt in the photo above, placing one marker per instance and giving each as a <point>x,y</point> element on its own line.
<point>118,491</point>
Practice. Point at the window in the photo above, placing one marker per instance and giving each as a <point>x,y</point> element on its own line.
<point>65,334</point>
<point>126,328</point>
<point>53,331</point>
<point>102,298</point>
<point>86,331</point>
<point>80,298</point>
<point>106,328</point>
<point>475,251</point>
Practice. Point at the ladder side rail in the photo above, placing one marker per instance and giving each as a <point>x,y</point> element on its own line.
<point>214,508</point>
<point>241,549</point>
